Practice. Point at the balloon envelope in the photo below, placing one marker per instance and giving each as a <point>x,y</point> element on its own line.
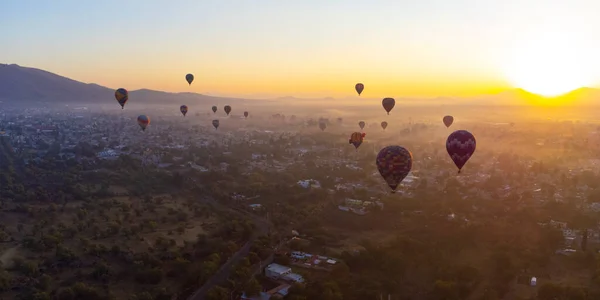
<point>122,96</point>
<point>356,139</point>
<point>214,109</point>
<point>460,146</point>
<point>384,125</point>
<point>227,109</point>
<point>394,163</point>
<point>143,121</point>
<point>189,78</point>
<point>215,124</point>
<point>245,114</point>
<point>448,120</point>
<point>359,87</point>
<point>361,124</point>
<point>183,109</point>
<point>322,125</point>
<point>388,104</point>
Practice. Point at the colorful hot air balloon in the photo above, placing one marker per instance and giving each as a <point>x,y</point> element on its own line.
<point>227,109</point>
<point>214,109</point>
<point>245,114</point>
<point>394,163</point>
<point>356,139</point>
<point>189,78</point>
<point>388,104</point>
<point>322,125</point>
<point>359,87</point>
<point>448,120</point>
<point>384,125</point>
<point>460,146</point>
<point>122,96</point>
<point>143,121</point>
<point>361,124</point>
<point>215,124</point>
<point>183,109</point>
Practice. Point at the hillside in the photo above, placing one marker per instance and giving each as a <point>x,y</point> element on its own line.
<point>24,85</point>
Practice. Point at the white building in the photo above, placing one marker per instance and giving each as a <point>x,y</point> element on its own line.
<point>276,271</point>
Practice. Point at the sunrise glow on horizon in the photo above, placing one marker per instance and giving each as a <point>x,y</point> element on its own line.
<point>427,48</point>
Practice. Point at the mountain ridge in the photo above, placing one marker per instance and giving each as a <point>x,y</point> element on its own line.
<point>26,84</point>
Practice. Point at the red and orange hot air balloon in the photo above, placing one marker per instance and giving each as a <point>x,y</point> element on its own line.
<point>143,121</point>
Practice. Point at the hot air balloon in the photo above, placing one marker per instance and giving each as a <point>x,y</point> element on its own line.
<point>227,109</point>
<point>356,139</point>
<point>361,124</point>
<point>359,87</point>
<point>340,120</point>
<point>189,78</point>
<point>183,109</point>
<point>322,125</point>
<point>245,114</point>
<point>460,146</point>
<point>384,125</point>
<point>122,96</point>
<point>143,121</point>
<point>214,109</point>
<point>448,120</point>
<point>388,104</point>
<point>394,163</point>
<point>215,124</point>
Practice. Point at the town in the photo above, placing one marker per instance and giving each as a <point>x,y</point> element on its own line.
<point>309,201</point>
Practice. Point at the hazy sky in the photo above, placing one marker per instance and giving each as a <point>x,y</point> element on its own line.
<point>309,47</point>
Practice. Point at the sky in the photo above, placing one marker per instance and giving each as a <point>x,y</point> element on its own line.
<point>310,48</point>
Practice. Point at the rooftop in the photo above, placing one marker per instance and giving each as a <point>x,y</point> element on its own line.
<point>277,268</point>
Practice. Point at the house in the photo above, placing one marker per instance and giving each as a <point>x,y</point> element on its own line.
<point>293,277</point>
<point>277,271</point>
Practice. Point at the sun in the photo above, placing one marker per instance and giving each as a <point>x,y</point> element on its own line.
<point>548,64</point>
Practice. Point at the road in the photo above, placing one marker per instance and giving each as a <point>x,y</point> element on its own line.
<point>222,274</point>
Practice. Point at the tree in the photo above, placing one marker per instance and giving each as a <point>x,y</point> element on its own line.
<point>253,287</point>
<point>217,293</point>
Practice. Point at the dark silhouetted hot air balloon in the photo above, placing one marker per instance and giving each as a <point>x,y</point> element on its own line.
<point>361,124</point>
<point>189,78</point>
<point>215,124</point>
<point>227,109</point>
<point>384,125</point>
<point>122,96</point>
<point>394,163</point>
<point>214,109</point>
<point>448,120</point>
<point>356,139</point>
<point>460,146</point>
<point>183,109</point>
<point>359,87</point>
<point>245,114</point>
<point>143,121</point>
<point>322,125</point>
<point>388,104</point>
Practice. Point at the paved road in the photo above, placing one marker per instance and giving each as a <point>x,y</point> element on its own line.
<point>222,274</point>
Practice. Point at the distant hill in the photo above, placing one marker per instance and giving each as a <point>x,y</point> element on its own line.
<point>23,85</point>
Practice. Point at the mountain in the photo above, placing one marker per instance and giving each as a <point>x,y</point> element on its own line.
<point>23,85</point>
<point>26,85</point>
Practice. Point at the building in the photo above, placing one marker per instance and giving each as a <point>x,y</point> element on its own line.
<point>276,271</point>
